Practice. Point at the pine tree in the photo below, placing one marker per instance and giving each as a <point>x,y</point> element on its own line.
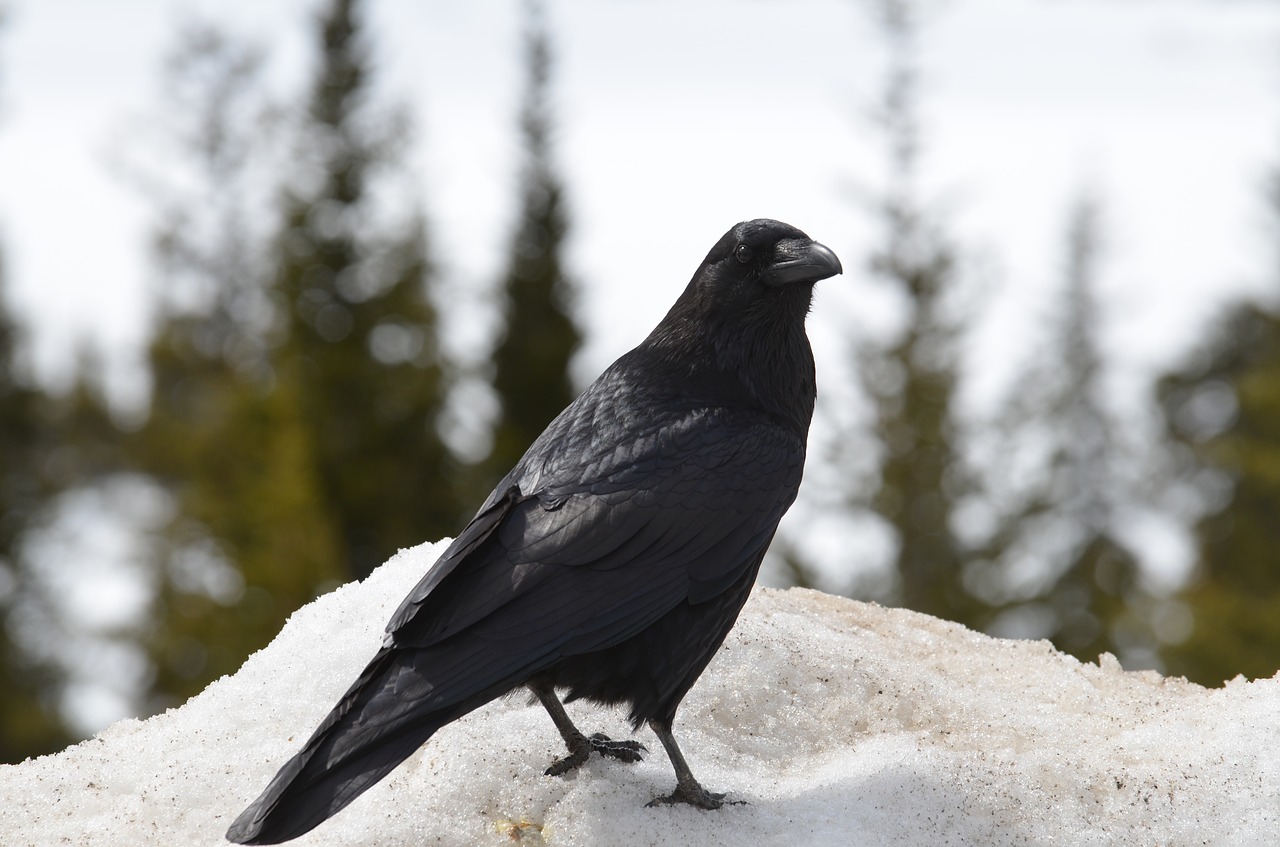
<point>359,344</point>
<point>531,361</point>
<point>1064,500</point>
<point>28,722</point>
<point>250,539</point>
<point>1222,414</point>
<point>1223,408</point>
<point>912,380</point>
<point>296,379</point>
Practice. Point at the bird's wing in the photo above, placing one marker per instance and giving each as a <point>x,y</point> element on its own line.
<point>594,556</point>
<point>580,563</point>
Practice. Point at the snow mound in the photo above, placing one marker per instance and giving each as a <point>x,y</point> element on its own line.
<point>837,722</point>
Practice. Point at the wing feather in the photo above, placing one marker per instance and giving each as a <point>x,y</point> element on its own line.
<point>582,564</point>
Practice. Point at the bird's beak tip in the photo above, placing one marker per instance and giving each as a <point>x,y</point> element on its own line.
<point>810,263</point>
<point>830,257</point>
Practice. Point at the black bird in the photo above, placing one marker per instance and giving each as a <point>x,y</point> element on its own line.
<point>615,557</point>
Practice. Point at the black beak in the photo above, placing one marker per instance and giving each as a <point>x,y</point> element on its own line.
<point>801,260</point>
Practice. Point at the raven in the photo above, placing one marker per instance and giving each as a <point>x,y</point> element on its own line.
<point>613,560</point>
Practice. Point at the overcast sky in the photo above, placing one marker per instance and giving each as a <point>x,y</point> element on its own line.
<point>678,119</point>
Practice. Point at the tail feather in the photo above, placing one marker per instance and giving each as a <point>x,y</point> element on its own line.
<point>388,713</point>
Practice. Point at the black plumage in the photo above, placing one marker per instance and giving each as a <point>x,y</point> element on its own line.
<point>612,561</point>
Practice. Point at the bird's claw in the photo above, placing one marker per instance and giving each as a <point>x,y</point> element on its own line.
<point>696,796</point>
<point>624,751</point>
<point>573,761</point>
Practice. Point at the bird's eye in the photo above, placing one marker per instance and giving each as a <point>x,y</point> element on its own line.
<point>742,253</point>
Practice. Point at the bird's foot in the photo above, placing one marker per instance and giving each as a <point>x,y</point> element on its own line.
<point>694,795</point>
<point>624,751</point>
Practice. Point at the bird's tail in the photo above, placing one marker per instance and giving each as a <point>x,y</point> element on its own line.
<point>384,717</point>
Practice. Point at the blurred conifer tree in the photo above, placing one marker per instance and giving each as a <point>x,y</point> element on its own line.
<point>1057,473</point>
<point>28,718</point>
<point>359,344</point>
<point>296,377</point>
<point>250,539</point>
<point>1223,408</point>
<point>28,722</point>
<point>538,338</point>
<point>912,379</point>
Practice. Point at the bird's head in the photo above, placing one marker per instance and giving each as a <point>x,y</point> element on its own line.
<point>771,254</point>
<point>740,321</point>
<point>756,268</point>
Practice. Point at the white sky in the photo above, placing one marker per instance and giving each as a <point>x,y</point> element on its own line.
<point>678,119</point>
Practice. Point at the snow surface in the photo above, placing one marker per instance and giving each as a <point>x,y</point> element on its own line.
<point>838,722</point>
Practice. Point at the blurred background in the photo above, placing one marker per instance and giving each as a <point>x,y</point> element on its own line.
<point>287,287</point>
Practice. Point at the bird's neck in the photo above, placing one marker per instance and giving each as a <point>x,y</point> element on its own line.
<point>760,360</point>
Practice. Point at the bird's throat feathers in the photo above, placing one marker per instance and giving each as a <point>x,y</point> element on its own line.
<point>758,355</point>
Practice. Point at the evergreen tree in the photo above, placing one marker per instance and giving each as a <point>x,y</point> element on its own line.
<point>1222,413</point>
<point>1223,408</point>
<point>531,361</point>
<point>250,539</point>
<point>359,346</point>
<point>28,722</point>
<point>296,380</point>
<point>912,380</point>
<point>1060,479</point>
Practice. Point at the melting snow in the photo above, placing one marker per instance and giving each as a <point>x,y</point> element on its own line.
<point>837,722</point>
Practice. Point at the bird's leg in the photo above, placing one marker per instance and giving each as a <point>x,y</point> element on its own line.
<point>688,790</point>
<point>580,746</point>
